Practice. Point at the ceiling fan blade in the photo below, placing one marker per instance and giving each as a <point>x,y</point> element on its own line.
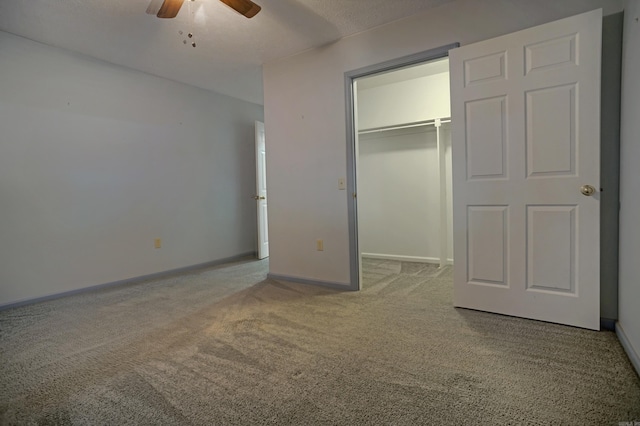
<point>170,8</point>
<point>244,7</point>
<point>154,7</point>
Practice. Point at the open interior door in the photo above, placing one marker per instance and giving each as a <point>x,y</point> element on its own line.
<point>261,192</point>
<point>526,172</point>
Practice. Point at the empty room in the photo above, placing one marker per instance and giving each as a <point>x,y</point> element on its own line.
<point>319,212</point>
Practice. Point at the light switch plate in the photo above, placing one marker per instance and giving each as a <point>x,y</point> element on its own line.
<point>342,184</point>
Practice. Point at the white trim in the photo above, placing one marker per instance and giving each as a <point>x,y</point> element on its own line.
<point>628,348</point>
<point>431,122</point>
<point>418,259</point>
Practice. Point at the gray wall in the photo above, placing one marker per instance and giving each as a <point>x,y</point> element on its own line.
<point>610,165</point>
<point>96,161</point>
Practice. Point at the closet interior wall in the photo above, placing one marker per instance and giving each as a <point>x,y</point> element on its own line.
<point>404,170</point>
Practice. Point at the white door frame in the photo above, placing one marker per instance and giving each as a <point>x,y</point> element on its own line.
<point>352,202</point>
<point>261,193</point>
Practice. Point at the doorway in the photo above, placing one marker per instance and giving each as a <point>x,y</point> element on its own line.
<point>403,148</point>
<point>400,133</point>
<point>261,192</point>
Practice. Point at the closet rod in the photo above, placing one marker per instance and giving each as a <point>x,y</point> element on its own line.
<point>404,126</point>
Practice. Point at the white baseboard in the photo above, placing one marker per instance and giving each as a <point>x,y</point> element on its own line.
<point>418,259</point>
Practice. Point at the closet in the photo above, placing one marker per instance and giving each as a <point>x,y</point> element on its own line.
<point>404,165</point>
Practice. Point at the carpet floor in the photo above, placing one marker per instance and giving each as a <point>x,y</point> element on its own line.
<point>225,345</point>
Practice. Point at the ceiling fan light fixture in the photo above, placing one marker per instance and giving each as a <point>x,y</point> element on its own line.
<point>169,8</point>
<point>243,7</point>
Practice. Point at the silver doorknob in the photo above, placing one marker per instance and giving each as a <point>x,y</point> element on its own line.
<point>587,190</point>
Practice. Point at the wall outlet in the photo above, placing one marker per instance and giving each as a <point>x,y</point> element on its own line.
<point>320,245</point>
<point>157,243</point>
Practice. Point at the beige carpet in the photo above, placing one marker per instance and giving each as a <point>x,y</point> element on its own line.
<point>227,346</point>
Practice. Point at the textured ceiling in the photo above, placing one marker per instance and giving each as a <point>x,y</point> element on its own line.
<point>230,48</point>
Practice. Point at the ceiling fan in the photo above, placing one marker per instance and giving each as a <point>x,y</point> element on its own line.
<point>170,8</point>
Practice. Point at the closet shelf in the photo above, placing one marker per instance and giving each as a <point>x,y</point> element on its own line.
<point>404,126</point>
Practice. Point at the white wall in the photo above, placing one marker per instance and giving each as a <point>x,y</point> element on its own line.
<point>398,194</point>
<point>398,170</point>
<point>402,102</point>
<point>629,284</point>
<point>97,160</point>
<point>305,120</point>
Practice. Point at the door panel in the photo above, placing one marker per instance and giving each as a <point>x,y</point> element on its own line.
<point>551,248</point>
<point>487,256</point>
<point>551,130</point>
<point>526,137</point>
<point>486,141</point>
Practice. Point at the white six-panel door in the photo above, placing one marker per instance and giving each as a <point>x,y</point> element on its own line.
<point>261,192</point>
<point>526,139</point>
